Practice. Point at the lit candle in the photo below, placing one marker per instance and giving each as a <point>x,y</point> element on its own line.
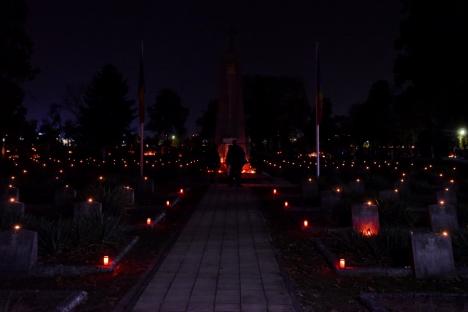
<point>168,203</point>
<point>105,260</point>
<point>90,200</point>
<point>445,233</point>
<point>17,227</point>
<point>148,221</point>
<point>275,192</point>
<point>306,223</point>
<point>342,264</point>
<point>286,204</point>
<point>181,191</point>
<point>12,199</point>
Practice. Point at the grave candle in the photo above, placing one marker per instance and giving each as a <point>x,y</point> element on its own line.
<point>148,221</point>
<point>342,264</point>
<point>286,204</point>
<point>305,223</point>
<point>168,203</point>
<point>105,260</point>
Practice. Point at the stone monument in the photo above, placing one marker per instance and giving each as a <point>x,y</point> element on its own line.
<point>18,251</point>
<point>230,119</point>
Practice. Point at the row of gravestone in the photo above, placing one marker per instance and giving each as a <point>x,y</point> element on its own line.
<point>432,252</point>
<point>18,247</point>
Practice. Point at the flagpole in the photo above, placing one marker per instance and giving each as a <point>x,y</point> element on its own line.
<point>142,121</point>
<point>317,108</point>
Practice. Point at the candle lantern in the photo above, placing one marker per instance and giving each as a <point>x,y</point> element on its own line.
<point>105,260</point>
<point>365,218</point>
<point>342,264</point>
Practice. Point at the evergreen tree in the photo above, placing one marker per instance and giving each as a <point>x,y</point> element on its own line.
<point>15,68</point>
<point>167,115</point>
<point>105,114</point>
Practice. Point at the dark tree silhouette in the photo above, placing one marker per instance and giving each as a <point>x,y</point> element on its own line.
<point>105,114</point>
<point>15,68</point>
<point>431,67</point>
<point>374,120</point>
<point>167,115</point>
<point>277,111</point>
<point>207,121</point>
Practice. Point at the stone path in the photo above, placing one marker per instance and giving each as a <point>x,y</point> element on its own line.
<point>222,261</point>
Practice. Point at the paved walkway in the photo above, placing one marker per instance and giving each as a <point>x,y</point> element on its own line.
<point>222,261</point>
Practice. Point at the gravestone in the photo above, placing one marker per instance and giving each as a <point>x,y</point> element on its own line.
<point>443,217</point>
<point>87,209</point>
<point>145,186</point>
<point>432,255</point>
<point>390,195</point>
<point>309,190</point>
<point>13,207</point>
<point>356,187</point>
<point>18,251</point>
<point>448,196</point>
<point>13,192</point>
<point>365,219</point>
<point>329,200</point>
<point>64,196</point>
<point>128,196</point>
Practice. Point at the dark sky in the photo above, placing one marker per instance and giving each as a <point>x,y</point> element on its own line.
<point>185,40</point>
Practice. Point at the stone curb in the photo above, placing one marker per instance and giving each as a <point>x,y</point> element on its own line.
<point>371,300</point>
<point>72,302</point>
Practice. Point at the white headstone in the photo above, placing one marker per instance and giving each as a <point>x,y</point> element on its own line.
<point>87,209</point>
<point>443,217</point>
<point>432,255</point>
<point>365,218</point>
<point>18,250</point>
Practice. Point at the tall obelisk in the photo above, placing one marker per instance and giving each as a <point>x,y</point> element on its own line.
<point>230,122</point>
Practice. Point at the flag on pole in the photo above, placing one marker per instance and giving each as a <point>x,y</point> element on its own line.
<point>141,89</point>
<point>141,111</point>
<point>319,94</point>
<point>318,108</point>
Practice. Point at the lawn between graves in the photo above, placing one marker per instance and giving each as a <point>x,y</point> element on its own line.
<point>319,287</point>
<point>85,242</point>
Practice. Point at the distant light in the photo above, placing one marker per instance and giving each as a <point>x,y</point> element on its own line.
<point>342,264</point>
<point>105,260</point>
<point>461,132</point>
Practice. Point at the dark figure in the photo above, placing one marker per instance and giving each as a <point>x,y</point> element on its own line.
<point>235,159</point>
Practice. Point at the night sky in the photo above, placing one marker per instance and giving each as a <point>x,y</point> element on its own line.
<point>185,40</point>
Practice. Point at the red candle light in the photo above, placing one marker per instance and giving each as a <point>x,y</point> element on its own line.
<point>342,264</point>
<point>90,200</point>
<point>148,221</point>
<point>181,191</point>
<point>168,203</point>
<point>17,227</point>
<point>105,260</point>
<point>275,192</point>
<point>286,204</point>
<point>445,233</point>
<point>12,200</point>
<point>305,223</point>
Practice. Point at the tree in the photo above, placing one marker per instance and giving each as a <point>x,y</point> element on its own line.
<point>15,67</point>
<point>167,115</point>
<point>207,121</point>
<point>277,111</point>
<point>105,114</point>
<point>431,67</point>
<point>374,120</point>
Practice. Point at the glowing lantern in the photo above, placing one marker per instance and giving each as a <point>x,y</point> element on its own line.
<point>342,264</point>
<point>338,190</point>
<point>168,203</point>
<point>12,200</point>
<point>275,192</point>
<point>286,204</point>
<point>369,203</point>
<point>445,233</point>
<point>368,232</point>
<point>305,223</point>
<point>148,221</point>
<point>101,178</point>
<point>395,190</point>
<point>17,227</point>
<point>442,202</point>
<point>181,191</point>
<point>105,260</point>
<point>90,200</point>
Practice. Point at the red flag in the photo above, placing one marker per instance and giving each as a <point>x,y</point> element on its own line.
<point>141,89</point>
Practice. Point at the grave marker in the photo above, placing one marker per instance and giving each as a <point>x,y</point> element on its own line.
<point>432,255</point>
<point>18,250</point>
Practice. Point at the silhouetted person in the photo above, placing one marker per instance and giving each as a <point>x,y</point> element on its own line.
<point>235,160</point>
